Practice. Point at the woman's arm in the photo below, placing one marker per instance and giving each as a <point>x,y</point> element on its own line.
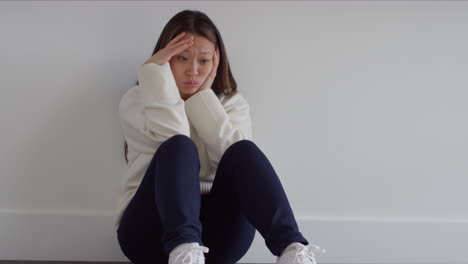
<point>162,114</point>
<point>219,125</point>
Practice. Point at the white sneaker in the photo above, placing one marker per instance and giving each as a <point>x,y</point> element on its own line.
<point>188,253</point>
<point>299,253</point>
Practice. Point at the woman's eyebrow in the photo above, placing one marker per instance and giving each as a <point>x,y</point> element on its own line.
<point>203,52</point>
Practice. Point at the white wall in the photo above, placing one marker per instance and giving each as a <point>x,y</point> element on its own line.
<point>360,106</point>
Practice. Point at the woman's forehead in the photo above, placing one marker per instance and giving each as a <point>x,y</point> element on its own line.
<point>199,40</point>
<point>203,52</point>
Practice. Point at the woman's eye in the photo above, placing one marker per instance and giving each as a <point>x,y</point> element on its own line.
<point>204,60</point>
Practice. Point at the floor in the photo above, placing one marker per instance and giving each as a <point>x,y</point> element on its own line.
<point>57,262</point>
<point>67,262</point>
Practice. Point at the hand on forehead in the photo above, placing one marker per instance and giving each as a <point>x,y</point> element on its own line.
<point>200,45</point>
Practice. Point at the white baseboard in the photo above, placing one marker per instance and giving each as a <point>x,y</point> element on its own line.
<point>90,236</point>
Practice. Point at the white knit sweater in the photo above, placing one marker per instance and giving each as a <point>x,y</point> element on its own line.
<point>153,111</point>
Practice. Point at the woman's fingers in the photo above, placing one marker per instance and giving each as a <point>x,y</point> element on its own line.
<point>179,47</point>
<point>174,46</point>
<point>178,42</point>
<point>177,38</point>
<point>216,59</point>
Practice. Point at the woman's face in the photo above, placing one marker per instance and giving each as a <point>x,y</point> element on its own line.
<point>193,64</point>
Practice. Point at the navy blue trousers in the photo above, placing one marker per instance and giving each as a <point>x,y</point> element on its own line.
<point>168,209</point>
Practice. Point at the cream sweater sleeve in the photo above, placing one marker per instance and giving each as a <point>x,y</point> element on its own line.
<point>219,124</point>
<point>163,111</point>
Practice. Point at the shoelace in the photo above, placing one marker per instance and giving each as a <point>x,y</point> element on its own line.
<point>193,256</point>
<point>306,254</point>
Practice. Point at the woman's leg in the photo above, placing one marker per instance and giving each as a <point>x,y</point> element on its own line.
<point>246,172</point>
<point>165,209</point>
<point>177,192</point>
<point>226,231</point>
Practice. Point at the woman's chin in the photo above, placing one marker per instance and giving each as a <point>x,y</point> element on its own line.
<point>188,93</point>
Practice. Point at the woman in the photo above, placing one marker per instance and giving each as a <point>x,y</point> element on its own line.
<point>196,183</point>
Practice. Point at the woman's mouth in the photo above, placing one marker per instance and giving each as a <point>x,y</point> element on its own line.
<point>191,84</point>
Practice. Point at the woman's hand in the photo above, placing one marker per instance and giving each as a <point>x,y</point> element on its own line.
<point>175,46</point>
<point>210,78</point>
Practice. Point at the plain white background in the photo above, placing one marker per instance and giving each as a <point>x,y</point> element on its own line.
<point>359,105</point>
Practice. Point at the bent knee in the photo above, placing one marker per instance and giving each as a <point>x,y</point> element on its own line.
<point>244,144</point>
<point>242,147</point>
<point>179,140</point>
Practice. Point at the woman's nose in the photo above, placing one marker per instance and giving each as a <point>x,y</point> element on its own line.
<point>192,70</point>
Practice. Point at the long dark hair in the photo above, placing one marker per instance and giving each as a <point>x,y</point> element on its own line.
<point>198,23</point>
